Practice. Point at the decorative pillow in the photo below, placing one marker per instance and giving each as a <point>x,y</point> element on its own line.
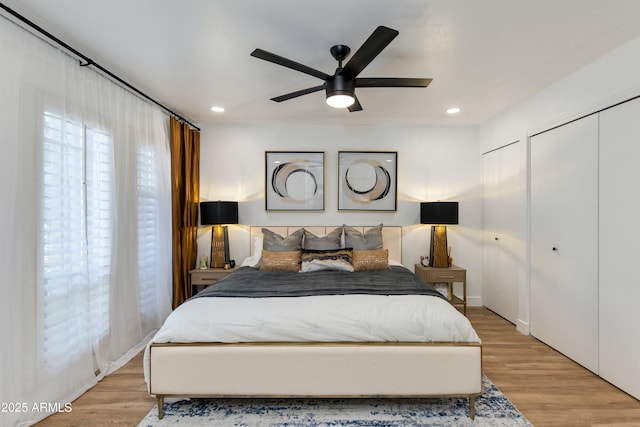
<point>331,241</point>
<point>254,260</point>
<point>276,243</point>
<point>326,260</point>
<point>372,238</point>
<point>280,261</point>
<point>374,259</point>
<point>251,261</point>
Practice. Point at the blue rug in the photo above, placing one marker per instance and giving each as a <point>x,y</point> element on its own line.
<point>492,409</point>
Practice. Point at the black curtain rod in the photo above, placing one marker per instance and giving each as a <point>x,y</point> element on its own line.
<point>89,62</point>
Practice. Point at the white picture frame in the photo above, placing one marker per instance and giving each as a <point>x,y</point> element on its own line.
<point>294,180</point>
<point>367,180</point>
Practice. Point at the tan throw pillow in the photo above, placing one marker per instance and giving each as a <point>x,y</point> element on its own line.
<point>280,261</point>
<point>374,259</point>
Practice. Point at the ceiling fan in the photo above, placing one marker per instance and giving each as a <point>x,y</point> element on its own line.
<point>340,87</point>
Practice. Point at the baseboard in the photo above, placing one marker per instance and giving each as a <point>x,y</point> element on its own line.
<point>474,301</point>
<point>523,327</point>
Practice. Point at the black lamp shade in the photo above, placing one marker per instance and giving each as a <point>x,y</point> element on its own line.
<point>217,213</point>
<point>439,213</point>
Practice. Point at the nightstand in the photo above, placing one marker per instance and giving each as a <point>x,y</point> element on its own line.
<point>448,276</point>
<point>201,278</point>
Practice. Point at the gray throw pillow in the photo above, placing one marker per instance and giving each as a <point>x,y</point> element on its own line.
<point>371,239</point>
<point>331,241</point>
<point>274,242</point>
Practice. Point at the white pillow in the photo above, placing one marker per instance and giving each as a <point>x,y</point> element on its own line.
<point>250,261</point>
<point>254,259</point>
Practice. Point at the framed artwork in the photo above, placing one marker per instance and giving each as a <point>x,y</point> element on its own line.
<point>294,181</point>
<point>367,180</point>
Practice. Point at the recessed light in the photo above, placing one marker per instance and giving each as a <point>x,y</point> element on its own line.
<point>453,110</point>
<point>217,109</point>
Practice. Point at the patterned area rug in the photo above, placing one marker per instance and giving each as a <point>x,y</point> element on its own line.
<point>492,409</point>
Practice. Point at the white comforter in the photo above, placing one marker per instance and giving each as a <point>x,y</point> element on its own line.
<point>317,318</point>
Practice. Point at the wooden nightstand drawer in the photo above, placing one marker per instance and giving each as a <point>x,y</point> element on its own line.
<point>450,275</point>
<point>201,278</point>
<point>208,276</point>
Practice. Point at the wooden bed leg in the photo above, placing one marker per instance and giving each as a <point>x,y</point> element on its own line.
<point>472,406</point>
<point>160,398</point>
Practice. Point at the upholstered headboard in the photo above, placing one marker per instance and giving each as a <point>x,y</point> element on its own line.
<point>391,235</point>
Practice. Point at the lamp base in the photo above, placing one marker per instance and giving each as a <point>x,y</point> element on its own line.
<point>219,246</point>
<point>438,254</point>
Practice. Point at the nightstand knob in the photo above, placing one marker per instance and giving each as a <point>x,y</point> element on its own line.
<point>495,238</point>
<point>554,249</point>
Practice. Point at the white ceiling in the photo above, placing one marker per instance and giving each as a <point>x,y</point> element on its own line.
<point>484,56</point>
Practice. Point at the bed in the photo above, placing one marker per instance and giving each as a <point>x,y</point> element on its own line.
<point>237,342</point>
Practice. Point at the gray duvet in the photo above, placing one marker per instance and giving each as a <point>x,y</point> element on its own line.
<point>250,282</point>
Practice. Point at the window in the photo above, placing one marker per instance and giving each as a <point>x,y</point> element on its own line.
<point>77,223</point>
<point>148,233</point>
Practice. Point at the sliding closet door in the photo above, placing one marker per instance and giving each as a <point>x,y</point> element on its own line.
<point>619,248</point>
<point>564,239</point>
<point>504,215</point>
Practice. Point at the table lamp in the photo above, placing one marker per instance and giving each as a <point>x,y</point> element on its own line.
<point>438,214</point>
<point>217,214</point>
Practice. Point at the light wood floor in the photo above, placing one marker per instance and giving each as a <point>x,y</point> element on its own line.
<point>548,388</point>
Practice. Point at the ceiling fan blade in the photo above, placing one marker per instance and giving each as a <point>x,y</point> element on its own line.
<point>355,106</point>
<point>376,42</point>
<point>391,82</point>
<point>277,59</point>
<point>298,93</point>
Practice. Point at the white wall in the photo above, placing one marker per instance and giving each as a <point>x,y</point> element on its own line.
<point>612,78</point>
<point>434,163</point>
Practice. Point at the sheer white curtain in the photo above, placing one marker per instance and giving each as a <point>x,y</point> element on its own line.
<point>85,224</point>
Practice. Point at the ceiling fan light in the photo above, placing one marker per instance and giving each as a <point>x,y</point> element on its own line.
<point>340,91</point>
<point>340,100</point>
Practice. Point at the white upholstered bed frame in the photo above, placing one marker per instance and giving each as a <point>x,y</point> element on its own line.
<point>405,369</point>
